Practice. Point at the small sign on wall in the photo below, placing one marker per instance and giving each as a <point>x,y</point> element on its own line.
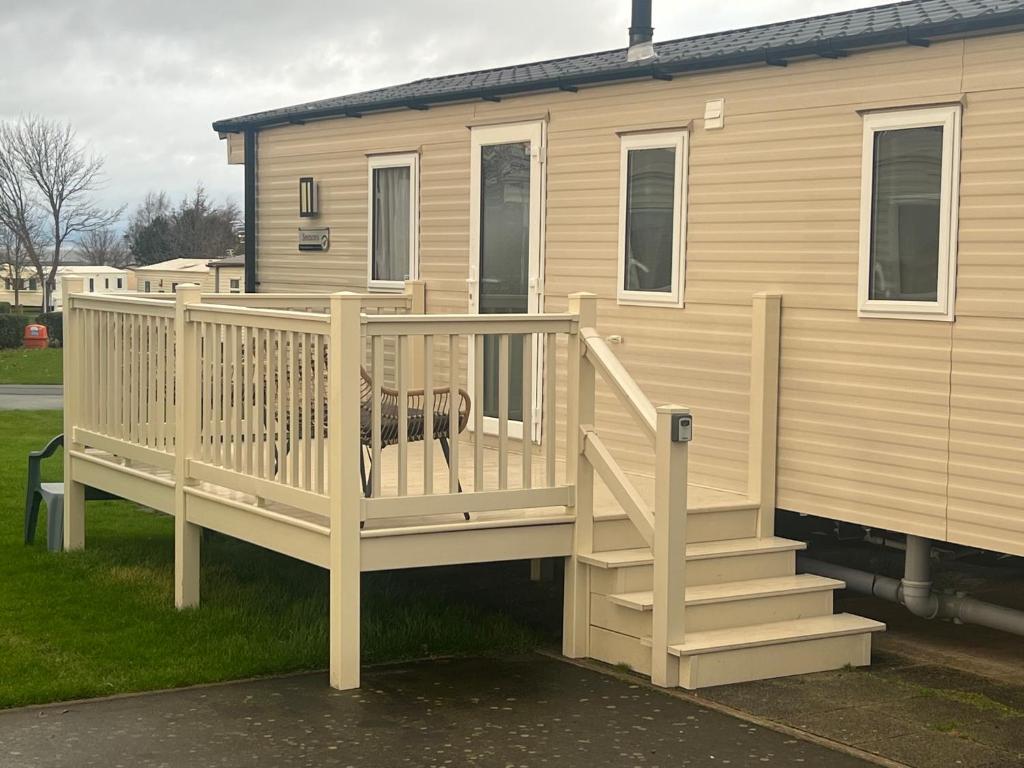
<point>318,239</point>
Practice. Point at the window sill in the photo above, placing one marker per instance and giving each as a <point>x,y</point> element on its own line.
<point>385,287</point>
<point>889,312</point>
<point>640,300</point>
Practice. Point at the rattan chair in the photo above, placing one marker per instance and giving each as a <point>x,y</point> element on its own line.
<point>389,430</point>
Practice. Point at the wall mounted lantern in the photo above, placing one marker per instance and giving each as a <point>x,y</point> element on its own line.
<point>309,198</point>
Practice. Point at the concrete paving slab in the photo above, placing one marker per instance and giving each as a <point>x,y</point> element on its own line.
<point>533,711</point>
<point>31,397</point>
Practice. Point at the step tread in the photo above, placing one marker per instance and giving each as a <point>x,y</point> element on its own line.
<point>734,590</point>
<point>814,628</point>
<point>626,558</point>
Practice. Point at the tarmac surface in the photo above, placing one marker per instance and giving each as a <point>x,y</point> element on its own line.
<point>529,711</point>
<point>31,397</point>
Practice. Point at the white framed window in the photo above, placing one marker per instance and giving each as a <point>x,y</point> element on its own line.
<point>393,220</point>
<point>652,217</point>
<point>234,286</point>
<point>146,286</point>
<point>910,186</point>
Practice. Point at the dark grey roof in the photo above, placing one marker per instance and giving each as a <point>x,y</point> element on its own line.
<point>829,35</point>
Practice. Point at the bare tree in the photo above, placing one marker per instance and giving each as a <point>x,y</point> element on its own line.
<point>14,259</point>
<point>103,247</point>
<point>45,172</point>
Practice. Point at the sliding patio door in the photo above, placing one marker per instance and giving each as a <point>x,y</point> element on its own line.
<point>506,222</point>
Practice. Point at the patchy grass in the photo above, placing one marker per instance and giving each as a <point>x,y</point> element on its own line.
<point>974,699</point>
<point>31,366</point>
<point>102,621</point>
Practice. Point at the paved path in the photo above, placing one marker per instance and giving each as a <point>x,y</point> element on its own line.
<point>31,397</point>
<point>533,711</point>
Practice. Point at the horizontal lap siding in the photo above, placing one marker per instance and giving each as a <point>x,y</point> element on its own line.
<point>863,420</point>
<point>986,472</point>
<point>773,205</point>
<point>986,463</point>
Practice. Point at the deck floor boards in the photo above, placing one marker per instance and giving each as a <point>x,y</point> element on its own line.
<point>700,498</point>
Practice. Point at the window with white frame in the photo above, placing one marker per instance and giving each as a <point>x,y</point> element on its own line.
<point>652,217</point>
<point>393,220</point>
<point>234,286</point>
<point>909,200</point>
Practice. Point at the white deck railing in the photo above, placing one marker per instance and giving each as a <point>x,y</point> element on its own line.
<point>276,397</point>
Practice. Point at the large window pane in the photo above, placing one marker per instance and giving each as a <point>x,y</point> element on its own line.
<point>907,184</point>
<point>650,203</point>
<point>391,211</point>
<point>504,260</point>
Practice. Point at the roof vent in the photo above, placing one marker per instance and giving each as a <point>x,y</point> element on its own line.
<point>641,33</point>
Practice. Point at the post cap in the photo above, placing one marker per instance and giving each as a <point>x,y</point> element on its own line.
<point>672,409</point>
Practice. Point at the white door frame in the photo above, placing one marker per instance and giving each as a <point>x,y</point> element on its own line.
<point>536,134</point>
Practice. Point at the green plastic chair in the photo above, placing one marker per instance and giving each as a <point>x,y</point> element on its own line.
<point>52,494</point>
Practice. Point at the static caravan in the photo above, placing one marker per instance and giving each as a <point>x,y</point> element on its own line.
<point>804,242</point>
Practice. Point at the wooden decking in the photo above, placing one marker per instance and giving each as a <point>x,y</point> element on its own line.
<point>700,498</point>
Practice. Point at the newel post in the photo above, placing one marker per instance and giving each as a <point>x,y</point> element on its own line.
<point>670,467</point>
<point>344,488</point>
<point>766,320</point>
<point>74,354</point>
<point>580,386</point>
<point>187,352</point>
<point>416,291</point>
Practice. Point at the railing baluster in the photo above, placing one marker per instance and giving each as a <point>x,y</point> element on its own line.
<point>428,414</point>
<point>317,416</point>
<point>206,393</point>
<point>102,354</point>
<point>159,391</point>
<point>269,450</point>
<point>402,372</point>
<point>377,364</point>
<point>236,369</point>
<point>219,445</point>
<point>503,374</point>
<point>123,376</point>
<point>478,412</point>
<point>256,422</point>
<point>293,408</point>
<point>550,381</point>
<point>282,425</point>
<point>527,410</point>
<point>149,390</point>
<point>453,413</point>
<point>306,444</point>
<point>133,387</point>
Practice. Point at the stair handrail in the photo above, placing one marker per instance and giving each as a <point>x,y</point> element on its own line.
<point>664,531</point>
<point>623,384</point>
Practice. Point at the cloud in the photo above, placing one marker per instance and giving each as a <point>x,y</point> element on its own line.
<point>142,80</point>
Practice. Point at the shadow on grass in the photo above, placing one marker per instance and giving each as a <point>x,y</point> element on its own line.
<point>102,621</point>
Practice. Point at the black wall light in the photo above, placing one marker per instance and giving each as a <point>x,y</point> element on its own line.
<point>309,198</point>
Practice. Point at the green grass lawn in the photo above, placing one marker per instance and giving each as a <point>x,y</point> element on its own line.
<point>31,366</point>
<point>102,621</point>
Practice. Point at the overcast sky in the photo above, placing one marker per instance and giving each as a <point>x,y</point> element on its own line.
<point>142,80</point>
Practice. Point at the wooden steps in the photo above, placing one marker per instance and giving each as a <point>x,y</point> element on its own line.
<point>749,615</point>
<point>721,606</point>
<point>631,570</point>
<point>734,590</point>
<point>759,652</point>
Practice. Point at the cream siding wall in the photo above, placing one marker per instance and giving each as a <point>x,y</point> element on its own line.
<point>161,280</point>
<point>877,417</point>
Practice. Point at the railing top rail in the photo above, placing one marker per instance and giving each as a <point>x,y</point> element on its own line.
<point>230,315</point>
<point>625,386</point>
<point>406,325</point>
<point>118,303</point>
